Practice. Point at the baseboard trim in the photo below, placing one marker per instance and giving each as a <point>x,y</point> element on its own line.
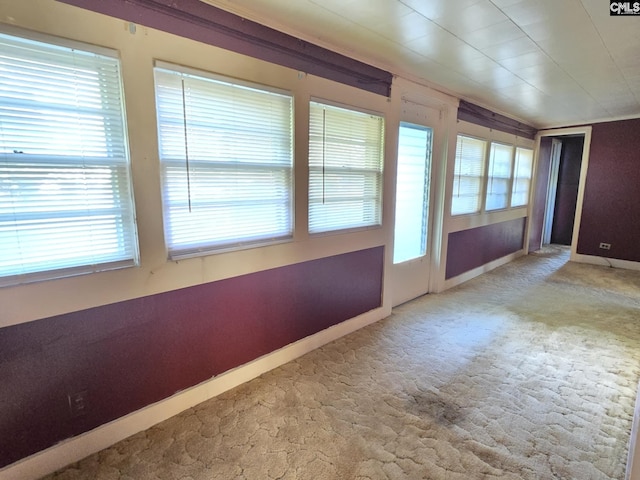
<point>77,448</point>
<point>487,267</point>
<point>605,262</point>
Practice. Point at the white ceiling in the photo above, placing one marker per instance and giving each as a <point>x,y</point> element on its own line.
<point>547,62</point>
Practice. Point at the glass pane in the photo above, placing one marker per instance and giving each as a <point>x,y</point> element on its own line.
<point>227,154</point>
<point>498,182</point>
<point>522,177</point>
<point>345,168</point>
<point>468,175</point>
<point>66,204</point>
<point>412,192</point>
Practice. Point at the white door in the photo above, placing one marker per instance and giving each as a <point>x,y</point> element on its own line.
<point>412,239</point>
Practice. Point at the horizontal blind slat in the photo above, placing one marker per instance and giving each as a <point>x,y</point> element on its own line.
<point>499,176</point>
<point>468,175</point>
<point>522,173</point>
<point>65,196</point>
<point>345,168</point>
<point>227,159</point>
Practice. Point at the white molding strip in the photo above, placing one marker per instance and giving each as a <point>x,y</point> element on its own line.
<point>487,267</point>
<point>77,448</point>
<point>633,458</point>
<point>605,262</point>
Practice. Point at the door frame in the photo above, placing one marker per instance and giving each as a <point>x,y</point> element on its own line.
<point>438,162</point>
<point>552,190</point>
<point>560,132</point>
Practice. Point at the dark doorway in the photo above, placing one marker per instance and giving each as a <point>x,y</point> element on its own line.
<point>567,190</point>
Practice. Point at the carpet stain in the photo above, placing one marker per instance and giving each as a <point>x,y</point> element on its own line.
<point>437,407</point>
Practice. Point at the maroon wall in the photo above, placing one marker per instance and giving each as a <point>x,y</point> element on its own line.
<point>611,209</point>
<point>540,194</point>
<point>567,192</point>
<point>469,249</point>
<point>130,354</point>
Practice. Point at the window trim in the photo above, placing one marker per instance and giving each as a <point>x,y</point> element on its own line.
<point>380,173</point>
<point>60,42</point>
<point>514,144</point>
<point>242,244</point>
<point>426,219</point>
<point>88,268</point>
<point>490,177</point>
<point>483,178</point>
<point>514,178</point>
<point>219,77</point>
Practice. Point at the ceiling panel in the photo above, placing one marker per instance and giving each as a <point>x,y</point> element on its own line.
<point>473,17</point>
<point>435,9</point>
<point>405,28</point>
<point>496,34</point>
<point>511,48</point>
<point>547,62</point>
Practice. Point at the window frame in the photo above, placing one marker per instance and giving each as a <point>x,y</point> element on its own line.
<point>398,256</point>
<point>239,243</point>
<point>378,174</point>
<point>515,178</point>
<point>127,233</point>
<point>482,177</point>
<point>515,145</point>
<point>490,177</point>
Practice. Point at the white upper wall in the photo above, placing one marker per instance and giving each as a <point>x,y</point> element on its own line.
<point>138,48</point>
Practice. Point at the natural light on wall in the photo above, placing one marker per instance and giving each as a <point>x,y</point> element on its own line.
<point>66,202</point>
<point>412,192</point>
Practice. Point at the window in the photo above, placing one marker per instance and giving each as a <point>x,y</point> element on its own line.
<point>226,154</point>
<point>522,173</point>
<point>345,168</point>
<point>65,194</point>
<point>412,192</point>
<point>499,176</point>
<point>468,175</point>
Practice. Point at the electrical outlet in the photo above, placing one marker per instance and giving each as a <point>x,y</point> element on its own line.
<point>605,246</point>
<point>78,403</point>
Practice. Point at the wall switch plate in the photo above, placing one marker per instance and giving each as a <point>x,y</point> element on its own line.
<point>78,403</point>
<point>605,246</point>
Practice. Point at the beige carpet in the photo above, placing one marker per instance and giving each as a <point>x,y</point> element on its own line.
<point>528,372</point>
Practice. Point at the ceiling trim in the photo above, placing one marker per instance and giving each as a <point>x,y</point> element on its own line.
<point>472,113</point>
<point>208,24</point>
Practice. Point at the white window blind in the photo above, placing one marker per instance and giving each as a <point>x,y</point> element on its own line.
<point>345,168</point>
<point>226,153</point>
<point>65,194</point>
<point>499,176</point>
<point>522,173</point>
<point>412,192</point>
<point>468,175</point>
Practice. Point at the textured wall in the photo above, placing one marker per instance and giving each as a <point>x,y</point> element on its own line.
<point>611,209</point>
<point>130,354</point>
<point>469,249</point>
